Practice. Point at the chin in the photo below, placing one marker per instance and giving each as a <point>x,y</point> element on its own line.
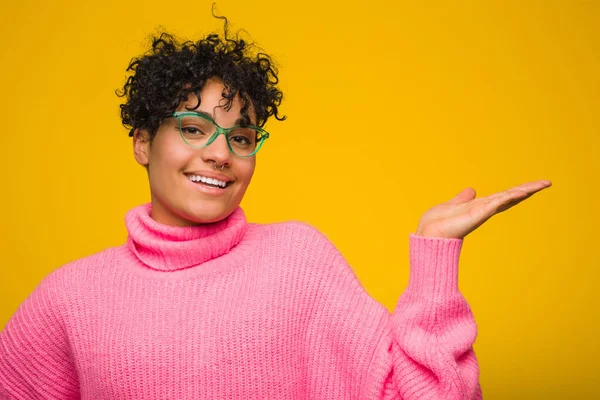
<point>206,214</point>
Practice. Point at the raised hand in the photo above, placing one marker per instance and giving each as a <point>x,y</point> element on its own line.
<point>465,213</point>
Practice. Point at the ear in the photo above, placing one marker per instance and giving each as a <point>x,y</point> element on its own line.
<point>141,146</point>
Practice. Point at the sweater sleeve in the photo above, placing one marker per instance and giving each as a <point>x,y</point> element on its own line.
<point>423,350</point>
<point>35,357</point>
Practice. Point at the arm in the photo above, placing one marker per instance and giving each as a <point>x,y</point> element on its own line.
<point>432,314</point>
<point>35,357</point>
<point>421,351</point>
<point>426,350</point>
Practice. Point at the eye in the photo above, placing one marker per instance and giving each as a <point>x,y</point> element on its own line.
<point>240,140</point>
<point>196,126</point>
<point>192,130</point>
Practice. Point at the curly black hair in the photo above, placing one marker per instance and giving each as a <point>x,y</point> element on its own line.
<point>167,73</point>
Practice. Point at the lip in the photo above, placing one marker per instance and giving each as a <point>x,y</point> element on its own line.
<point>210,174</point>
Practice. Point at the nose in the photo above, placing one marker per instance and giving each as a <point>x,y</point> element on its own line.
<point>217,152</point>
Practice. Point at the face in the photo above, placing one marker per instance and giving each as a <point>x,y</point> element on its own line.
<point>172,164</point>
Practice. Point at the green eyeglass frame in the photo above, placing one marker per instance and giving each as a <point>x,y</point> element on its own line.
<point>220,131</point>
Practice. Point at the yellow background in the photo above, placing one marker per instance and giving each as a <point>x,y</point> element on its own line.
<point>392,108</point>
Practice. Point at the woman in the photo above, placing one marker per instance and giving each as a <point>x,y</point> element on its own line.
<point>200,304</point>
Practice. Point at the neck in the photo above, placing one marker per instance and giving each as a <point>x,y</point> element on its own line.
<point>170,248</point>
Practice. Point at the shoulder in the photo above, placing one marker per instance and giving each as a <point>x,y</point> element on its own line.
<point>48,296</point>
<point>302,240</point>
<point>302,247</point>
<point>81,269</point>
<point>294,231</point>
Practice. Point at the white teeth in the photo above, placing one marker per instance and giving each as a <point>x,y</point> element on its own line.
<point>210,181</point>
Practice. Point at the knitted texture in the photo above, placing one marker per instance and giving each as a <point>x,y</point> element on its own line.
<point>235,310</point>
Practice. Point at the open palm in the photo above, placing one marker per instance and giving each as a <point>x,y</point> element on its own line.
<point>464,213</point>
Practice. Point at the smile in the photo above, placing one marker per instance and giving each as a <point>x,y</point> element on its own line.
<point>208,181</point>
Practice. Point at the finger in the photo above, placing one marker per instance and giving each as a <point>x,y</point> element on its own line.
<point>513,192</point>
<point>532,187</point>
<point>502,201</point>
<point>507,200</point>
<point>529,188</point>
<point>508,205</point>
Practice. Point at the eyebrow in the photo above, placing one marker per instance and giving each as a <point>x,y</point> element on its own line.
<point>212,116</point>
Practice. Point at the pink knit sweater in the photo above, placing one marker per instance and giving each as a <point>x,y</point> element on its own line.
<point>235,310</point>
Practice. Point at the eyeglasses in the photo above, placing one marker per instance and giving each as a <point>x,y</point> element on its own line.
<point>199,130</point>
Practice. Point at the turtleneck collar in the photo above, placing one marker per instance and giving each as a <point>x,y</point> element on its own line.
<point>170,248</point>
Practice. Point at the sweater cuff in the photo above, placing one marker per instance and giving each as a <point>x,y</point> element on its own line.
<point>434,266</point>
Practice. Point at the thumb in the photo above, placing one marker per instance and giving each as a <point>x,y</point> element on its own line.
<point>464,196</point>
